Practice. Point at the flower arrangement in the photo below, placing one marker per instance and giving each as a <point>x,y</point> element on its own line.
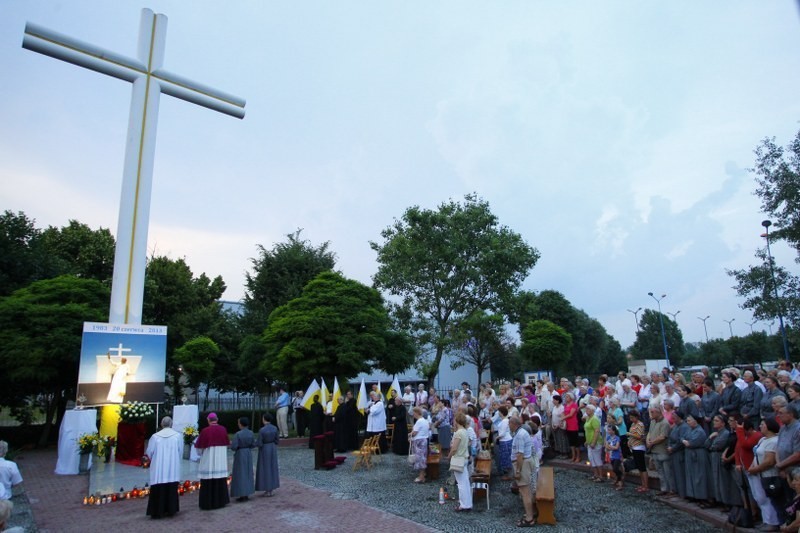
<point>87,442</point>
<point>134,412</point>
<point>105,444</point>
<point>189,434</point>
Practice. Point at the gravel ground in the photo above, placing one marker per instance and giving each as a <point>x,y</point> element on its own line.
<point>580,504</point>
<point>21,516</point>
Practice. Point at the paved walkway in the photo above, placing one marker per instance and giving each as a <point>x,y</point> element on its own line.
<point>55,502</point>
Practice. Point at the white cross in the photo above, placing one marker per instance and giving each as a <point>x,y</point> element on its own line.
<point>119,349</point>
<point>149,81</point>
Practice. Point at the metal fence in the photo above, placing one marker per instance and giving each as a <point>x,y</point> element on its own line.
<point>250,402</point>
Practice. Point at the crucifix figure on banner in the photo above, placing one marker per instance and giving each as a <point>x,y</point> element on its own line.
<point>149,81</point>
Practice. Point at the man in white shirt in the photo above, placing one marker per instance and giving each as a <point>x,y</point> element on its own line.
<point>622,380</point>
<point>670,394</point>
<point>9,473</point>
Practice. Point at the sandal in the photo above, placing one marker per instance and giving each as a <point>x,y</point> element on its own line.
<point>526,523</point>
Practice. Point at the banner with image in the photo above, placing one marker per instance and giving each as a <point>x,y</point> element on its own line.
<point>122,363</point>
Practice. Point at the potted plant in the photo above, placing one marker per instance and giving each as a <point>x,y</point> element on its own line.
<point>190,433</point>
<point>86,444</point>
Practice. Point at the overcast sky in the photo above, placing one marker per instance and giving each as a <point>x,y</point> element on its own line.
<point>615,137</point>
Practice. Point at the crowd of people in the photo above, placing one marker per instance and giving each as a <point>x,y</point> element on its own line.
<point>732,443</point>
<point>727,442</point>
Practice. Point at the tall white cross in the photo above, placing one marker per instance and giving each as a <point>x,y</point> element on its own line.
<point>149,81</point>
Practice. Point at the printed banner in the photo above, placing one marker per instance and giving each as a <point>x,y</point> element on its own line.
<point>122,363</point>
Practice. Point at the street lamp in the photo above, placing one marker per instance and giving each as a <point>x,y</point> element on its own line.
<point>751,324</point>
<point>729,324</point>
<point>674,315</point>
<point>766,225</point>
<point>661,319</point>
<point>704,324</point>
<point>636,317</point>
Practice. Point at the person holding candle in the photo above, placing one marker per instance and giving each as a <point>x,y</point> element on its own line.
<point>164,450</point>
<point>213,444</point>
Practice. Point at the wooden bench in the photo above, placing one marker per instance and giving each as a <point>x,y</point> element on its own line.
<point>546,496</point>
<point>481,479</point>
<point>432,468</point>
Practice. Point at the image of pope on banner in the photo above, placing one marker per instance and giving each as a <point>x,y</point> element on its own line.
<point>122,363</point>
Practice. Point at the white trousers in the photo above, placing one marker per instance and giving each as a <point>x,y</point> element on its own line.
<point>283,423</point>
<point>768,513</point>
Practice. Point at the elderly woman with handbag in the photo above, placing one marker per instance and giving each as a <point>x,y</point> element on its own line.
<point>459,456</point>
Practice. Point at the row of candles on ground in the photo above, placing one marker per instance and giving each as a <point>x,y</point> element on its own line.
<point>183,488</point>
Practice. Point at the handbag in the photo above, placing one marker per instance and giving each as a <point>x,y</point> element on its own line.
<point>770,484</point>
<point>458,463</point>
<point>411,457</point>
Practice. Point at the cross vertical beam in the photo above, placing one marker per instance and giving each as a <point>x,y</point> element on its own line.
<point>149,80</point>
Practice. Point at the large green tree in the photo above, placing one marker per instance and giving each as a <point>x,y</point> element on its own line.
<point>197,358</point>
<point>279,275</point>
<point>777,175</point>
<point>649,342</point>
<point>482,340</point>
<point>337,327</point>
<point>546,346</point>
<point>20,256</point>
<point>590,341</point>
<point>188,305</point>
<point>447,263</point>
<point>79,250</point>
<point>40,341</point>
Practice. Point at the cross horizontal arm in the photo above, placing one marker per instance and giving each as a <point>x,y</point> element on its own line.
<point>197,93</point>
<point>53,44</point>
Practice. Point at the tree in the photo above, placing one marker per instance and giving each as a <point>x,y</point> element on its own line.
<point>778,178</point>
<point>777,175</point>
<point>20,258</point>
<point>482,338</point>
<point>279,275</point>
<point>546,345</point>
<point>78,250</point>
<point>188,305</point>
<point>40,341</point>
<point>447,263</point>
<point>755,284</point>
<point>649,342</point>
<point>613,358</point>
<point>197,358</point>
<point>589,338</point>
<point>337,327</point>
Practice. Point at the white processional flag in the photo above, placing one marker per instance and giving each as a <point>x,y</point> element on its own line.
<point>313,390</point>
<point>395,386</point>
<point>336,394</point>
<point>361,401</point>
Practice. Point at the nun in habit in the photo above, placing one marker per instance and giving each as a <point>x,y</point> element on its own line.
<point>316,421</point>
<point>267,477</point>
<point>697,469</point>
<point>724,490</point>
<point>677,453</point>
<point>242,474</point>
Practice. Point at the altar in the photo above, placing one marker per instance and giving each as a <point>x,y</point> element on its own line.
<point>76,422</point>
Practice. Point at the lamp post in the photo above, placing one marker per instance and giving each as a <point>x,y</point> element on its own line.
<point>636,317</point>
<point>674,315</point>
<point>770,328</point>
<point>729,324</point>
<point>704,324</point>
<point>751,324</point>
<point>766,225</point>
<point>661,319</point>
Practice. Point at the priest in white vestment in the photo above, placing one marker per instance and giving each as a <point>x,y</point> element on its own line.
<point>164,450</point>
<point>376,420</point>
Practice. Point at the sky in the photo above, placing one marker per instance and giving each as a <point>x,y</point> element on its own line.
<point>614,136</point>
